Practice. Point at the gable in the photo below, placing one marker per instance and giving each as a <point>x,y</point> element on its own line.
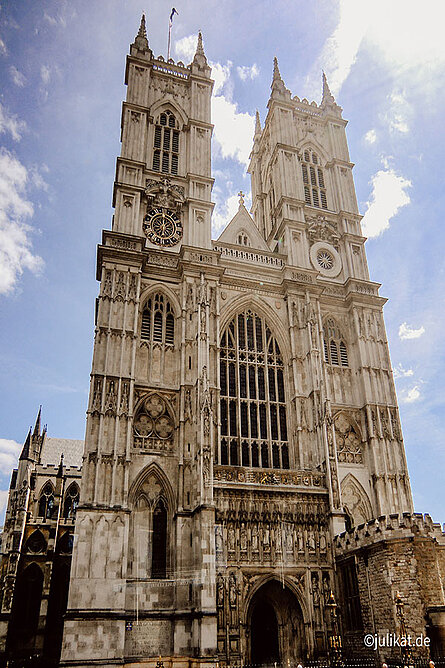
<point>242,225</point>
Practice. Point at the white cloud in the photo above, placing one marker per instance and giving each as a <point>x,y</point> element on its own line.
<point>405,38</point>
<point>45,73</point>
<point>9,452</point>
<point>15,209</point>
<point>185,48</point>
<point>399,114</point>
<point>410,396</point>
<point>245,72</point>
<point>17,77</point>
<point>389,194</point>
<point>3,49</point>
<point>408,332</point>
<point>224,213</point>
<point>10,123</point>
<point>4,493</point>
<point>233,129</point>
<point>55,20</point>
<point>400,372</point>
<point>370,137</point>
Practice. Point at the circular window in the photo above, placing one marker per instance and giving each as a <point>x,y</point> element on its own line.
<point>325,259</point>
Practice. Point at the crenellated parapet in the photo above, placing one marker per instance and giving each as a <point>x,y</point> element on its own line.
<point>390,527</point>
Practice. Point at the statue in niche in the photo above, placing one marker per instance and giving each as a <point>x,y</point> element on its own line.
<point>255,546</point>
<point>316,598</point>
<point>300,540</point>
<point>231,538</point>
<point>311,541</point>
<point>326,587</point>
<point>323,544</point>
<point>289,539</point>
<point>219,541</point>
<point>243,537</point>
<point>266,538</point>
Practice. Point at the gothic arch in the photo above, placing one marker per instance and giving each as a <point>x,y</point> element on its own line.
<point>261,308</point>
<point>355,500</point>
<point>156,289</point>
<point>313,145</point>
<point>288,582</point>
<point>170,105</point>
<point>152,484</point>
<point>154,423</point>
<point>349,440</point>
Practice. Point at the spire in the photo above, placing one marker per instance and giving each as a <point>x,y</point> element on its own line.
<point>327,98</point>
<point>276,71</point>
<point>257,123</point>
<point>199,46</point>
<point>141,41</point>
<point>279,90</point>
<point>26,447</point>
<point>60,469</point>
<point>38,423</point>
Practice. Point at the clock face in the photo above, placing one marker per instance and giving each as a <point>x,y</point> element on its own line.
<point>162,227</point>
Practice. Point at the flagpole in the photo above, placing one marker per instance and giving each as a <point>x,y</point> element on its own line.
<point>170,23</point>
<point>169,39</point>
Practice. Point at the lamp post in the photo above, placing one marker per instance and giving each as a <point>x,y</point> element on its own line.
<point>335,643</point>
<point>405,648</point>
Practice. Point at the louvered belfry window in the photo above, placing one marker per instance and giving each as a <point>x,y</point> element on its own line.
<point>313,181</point>
<point>253,401</point>
<point>334,346</point>
<point>158,321</point>
<point>166,144</point>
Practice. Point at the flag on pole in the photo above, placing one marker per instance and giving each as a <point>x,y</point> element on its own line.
<point>170,23</point>
<point>173,12</point>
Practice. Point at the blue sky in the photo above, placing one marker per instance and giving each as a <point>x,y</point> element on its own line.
<point>61,72</point>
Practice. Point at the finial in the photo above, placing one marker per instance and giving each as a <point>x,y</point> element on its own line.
<point>141,41</point>
<point>27,447</point>
<point>241,198</point>
<point>37,424</point>
<point>257,122</point>
<point>327,95</point>
<point>276,71</point>
<point>60,469</point>
<point>199,46</point>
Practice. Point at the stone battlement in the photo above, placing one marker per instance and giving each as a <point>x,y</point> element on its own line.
<point>390,527</point>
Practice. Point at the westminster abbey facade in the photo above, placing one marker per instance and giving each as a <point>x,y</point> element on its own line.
<point>243,463</point>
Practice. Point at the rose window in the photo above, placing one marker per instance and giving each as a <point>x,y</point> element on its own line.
<point>325,259</point>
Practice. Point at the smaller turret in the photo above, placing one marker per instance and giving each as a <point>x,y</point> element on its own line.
<point>141,41</point>
<point>279,90</point>
<point>199,63</point>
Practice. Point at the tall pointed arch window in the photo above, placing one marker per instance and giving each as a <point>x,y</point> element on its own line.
<point>158,321</point>
<point>166,144</point>
<point>71,501</point>
<point>46,501</point>
<point>159,555</point>
<point>313,180</point>
<point>335,350</point>
<point>253,401</point>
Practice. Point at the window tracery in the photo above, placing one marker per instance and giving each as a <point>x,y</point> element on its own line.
<point>158,321</point>
<point>46,501</point>
<point>335,350</point>
<point>71,501</point>
<point>153,426</point>
<point>166,144</point>
<point>253,408</point>
<point>313,180</point>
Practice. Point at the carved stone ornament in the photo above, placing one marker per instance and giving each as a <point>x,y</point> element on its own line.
<point>164,194</point>
<point>322,229</point>
<point>349,448</point>
<point>153,426</point>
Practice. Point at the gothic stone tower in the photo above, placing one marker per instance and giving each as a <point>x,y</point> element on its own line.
<point>242,406</point>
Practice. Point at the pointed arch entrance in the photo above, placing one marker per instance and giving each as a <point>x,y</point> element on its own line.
<point>276,631</point>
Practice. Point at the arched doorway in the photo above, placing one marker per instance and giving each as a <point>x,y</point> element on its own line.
<point>275,626</point>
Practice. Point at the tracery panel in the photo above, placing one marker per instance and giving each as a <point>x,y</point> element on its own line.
<point>253,400</point>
